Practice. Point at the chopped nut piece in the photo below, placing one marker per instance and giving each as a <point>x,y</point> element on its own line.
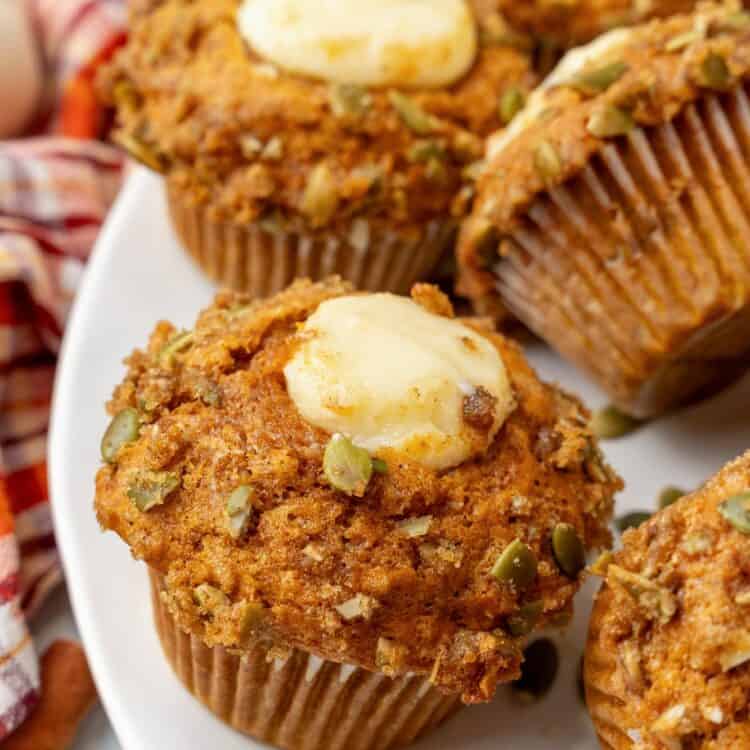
<point>251,615</point>
<point>239,510</point>
<point>715,72</point>
<point>314,552</point>
<point>389,656</point>
<point>151,488</point>
<point>123,429</point>
<point>668,722</point>
<point>609,122</point>
<point>210,598</point>
<point>737,654</point>
<point>356,607</point>
<point>415,527</point>
<point>412,114</point>
<point>250,146</point>
<point>320,199</point>
<point>657,602</point>
<point>274,149</point>
<point>347,467</point>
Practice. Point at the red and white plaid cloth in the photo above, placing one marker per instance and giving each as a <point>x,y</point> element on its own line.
<point>55,190</point>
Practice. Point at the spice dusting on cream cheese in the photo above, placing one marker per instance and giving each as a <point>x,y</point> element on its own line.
<point>420,43</point>
<point>389,374</point>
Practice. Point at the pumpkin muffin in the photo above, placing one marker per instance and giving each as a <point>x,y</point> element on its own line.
<point>355,508</point>
<point>667,663</point>
<point>299,144</point>
<point>614,216</point>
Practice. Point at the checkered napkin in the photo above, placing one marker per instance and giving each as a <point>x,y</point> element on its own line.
<point>55,189</point>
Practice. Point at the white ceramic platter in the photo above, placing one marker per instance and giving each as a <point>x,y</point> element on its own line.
<point>139,275</point>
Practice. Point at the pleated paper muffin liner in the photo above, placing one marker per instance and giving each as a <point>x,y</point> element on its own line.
<point>251,259</point>
<point>606,708</point>
<point>304,703</point>
<point>638,268</point>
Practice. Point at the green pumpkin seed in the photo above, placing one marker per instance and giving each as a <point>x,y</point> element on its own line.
<point>610,423</point>
<point>610,121</point>
<point>379,466</point>
<point>209,597</point>
<point>413,116</point>
<point>525,621</point>
<point>347,467</point>
<point>141,152</point>
<point>426,151</point>
<point>320,199</point>
<point>669,496</point>
<point>178,343</point>
<point>239,510</point>
<point>736,510</point>
<point>538,671</point>
<point>715,72</point>
<point>631,520</point>
<point>547,161</point>
<point>511,103</point>
<point>596,81</point>
<point>251,615</point>
<point>123,429</point>
<point>151,488</point>
<point>348,100</point>
<point>517,565</point>
<point>568,549</point>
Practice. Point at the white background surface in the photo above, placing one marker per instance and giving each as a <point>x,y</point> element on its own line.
<point>139,275</point>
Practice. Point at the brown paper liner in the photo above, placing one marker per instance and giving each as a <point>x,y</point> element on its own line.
<point>638,269</point>
<point>332,707</point>
<point>251,259</point>
<point>607,709</point>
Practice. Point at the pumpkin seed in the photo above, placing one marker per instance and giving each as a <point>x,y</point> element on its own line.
<point>715,72</point>
<point>517,565</point>
<point>320,199</point>
<point>141,152</point>
<point>610,423</point>
<point>669,496</point>
<point>631,520</point>
<point>538,671</point>
<point>596,81</point>
<point>239,510</point>
<point>348,100</point>
<point>610,121</point>
<point>123,429</point>
<point>426,151</point>
<point>379,466</point>
<point>178,343</point>
<point>547,161</point>
<point>568,549</point>
<point>151,488</point>
<point>511,103</point>
<point>736,510</point>
<point>525,621</point>
<point>413,116</point>
<point>347,467</point>
<point>251,615</point>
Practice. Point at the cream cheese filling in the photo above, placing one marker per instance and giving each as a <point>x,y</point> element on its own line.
<point>404,43</point>
<point>388,374</point>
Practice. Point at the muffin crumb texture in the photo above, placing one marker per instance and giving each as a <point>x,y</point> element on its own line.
<point>668,659</point>
<point>222,490</point>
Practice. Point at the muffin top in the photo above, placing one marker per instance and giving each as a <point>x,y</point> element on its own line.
<point>579,21</point>
<point>271,529</point>
<point>627,78</point>
<point>251,140</point>
<point>673,613</point>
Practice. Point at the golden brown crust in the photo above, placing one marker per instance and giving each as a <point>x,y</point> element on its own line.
<point>572,22</point>
<point>219,415</point>
<point>668,623</point>
<point>188,88</point>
